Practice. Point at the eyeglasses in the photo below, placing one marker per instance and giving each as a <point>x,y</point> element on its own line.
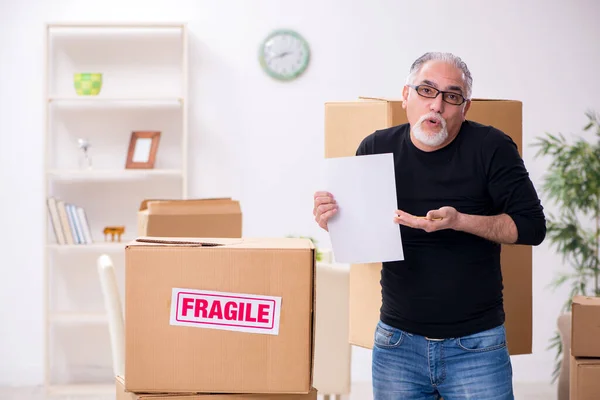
<point>453,98</point>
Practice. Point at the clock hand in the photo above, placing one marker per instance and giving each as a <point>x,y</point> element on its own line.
<point>281,55</point>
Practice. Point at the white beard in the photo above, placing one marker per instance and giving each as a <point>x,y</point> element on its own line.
<point>430,139</point>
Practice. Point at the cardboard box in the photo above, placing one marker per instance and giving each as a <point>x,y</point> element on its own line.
<point>585,327</point>
<point>219,315</point>
<point>584,378</point>
<point>123,395</point>
<point>346,125</point>
<point>190,218</point>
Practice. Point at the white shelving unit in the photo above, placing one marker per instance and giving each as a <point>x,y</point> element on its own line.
<point>145,87</point>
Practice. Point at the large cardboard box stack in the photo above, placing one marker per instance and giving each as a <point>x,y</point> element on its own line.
<point>347,123</point>
<point>584,381</point>
<point>220,217</point>
<point>208,316</point>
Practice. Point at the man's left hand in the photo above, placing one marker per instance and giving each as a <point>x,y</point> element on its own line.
<point>435,220</point>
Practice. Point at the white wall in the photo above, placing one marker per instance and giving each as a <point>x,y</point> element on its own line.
<point>262,142</point>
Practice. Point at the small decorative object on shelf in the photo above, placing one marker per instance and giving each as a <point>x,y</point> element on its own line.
<point>87,84</point>
<point>112,231</point>
<point>85,160</point>
<point>142,149</point>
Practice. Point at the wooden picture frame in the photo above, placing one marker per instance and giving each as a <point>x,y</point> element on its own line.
<point>142,149</point>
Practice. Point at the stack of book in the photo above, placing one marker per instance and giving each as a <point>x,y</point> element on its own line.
<point>69,222</point>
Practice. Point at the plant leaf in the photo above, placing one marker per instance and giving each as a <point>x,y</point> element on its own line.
<point>572,182</point>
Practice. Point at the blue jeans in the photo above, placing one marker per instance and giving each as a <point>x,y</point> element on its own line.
<point>408,366</point>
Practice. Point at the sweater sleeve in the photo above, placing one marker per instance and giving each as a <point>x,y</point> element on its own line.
<point>511,189</point>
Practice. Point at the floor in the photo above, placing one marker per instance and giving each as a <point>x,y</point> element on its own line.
<point>360,391</point>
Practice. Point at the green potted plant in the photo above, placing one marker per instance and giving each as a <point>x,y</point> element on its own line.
<point>572,183</point>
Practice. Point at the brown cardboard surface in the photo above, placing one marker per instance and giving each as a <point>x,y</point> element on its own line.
<point>220,217</point>
<point>585,326</point>
<point>123,395</point>
<point>166,358</point>
<point>364,303</point>
<point>584,379</point>
<point>347,123</point>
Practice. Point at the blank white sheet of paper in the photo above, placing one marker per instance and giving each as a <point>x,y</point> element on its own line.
<point>363,230</point>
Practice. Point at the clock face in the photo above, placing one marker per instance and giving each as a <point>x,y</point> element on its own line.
<point>284,55</point>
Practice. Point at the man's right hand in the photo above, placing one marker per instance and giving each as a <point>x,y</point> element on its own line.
<point>324,208</point>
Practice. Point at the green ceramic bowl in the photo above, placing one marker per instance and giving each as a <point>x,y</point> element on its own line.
<point>87,84</point>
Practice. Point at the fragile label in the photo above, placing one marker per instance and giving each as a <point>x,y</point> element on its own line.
<point>227,311</point>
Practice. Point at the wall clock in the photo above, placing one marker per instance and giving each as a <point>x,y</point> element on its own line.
<point>284,55</point>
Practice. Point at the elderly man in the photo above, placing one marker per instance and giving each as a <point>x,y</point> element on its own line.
<point>463,191</point>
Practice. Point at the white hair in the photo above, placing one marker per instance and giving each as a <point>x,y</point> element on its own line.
<point>446,57</point>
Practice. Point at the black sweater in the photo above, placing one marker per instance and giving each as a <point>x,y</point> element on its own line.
<point>450,282</point>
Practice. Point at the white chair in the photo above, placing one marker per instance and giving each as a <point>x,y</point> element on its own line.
<point>332,364</point>
<point>114,311</point>
<point>326,255</point>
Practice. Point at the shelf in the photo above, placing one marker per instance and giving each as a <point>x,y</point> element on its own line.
<point>99,247</point>
<point>133,102</point>
<point>79,318</point>
<point>111,25</point>
<point>81,389</point>
<point>111,175</point>
<point>145,69</point>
